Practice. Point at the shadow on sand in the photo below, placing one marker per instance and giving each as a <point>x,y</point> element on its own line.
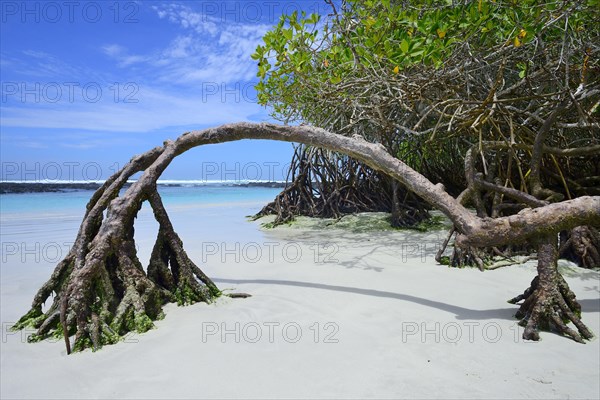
<point>588,305</point>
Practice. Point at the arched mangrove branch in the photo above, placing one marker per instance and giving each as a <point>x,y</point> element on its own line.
<point>103,292</point>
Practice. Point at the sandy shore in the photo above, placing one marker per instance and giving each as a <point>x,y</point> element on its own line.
<point>334,313</point>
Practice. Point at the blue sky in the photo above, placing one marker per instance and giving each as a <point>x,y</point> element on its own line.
<point>88,84</point>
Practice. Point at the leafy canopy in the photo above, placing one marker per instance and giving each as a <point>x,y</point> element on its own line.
<point>304,52</point>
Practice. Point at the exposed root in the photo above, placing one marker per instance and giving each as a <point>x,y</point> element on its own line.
<point>184,279</point>
<point>35,318</point>
<point>109,297</point>
<point>486,258</point>
<point>551,311</point>
<point>469,256</point>
<point>582,246</point>
<point>330,185</point>
<point>508,261</point>
<point>549,304</point>
<point>102,290</point>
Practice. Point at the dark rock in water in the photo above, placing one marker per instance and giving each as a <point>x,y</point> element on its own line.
<point>38,187</point>
<point>35,187</point>
<point>263,184</point>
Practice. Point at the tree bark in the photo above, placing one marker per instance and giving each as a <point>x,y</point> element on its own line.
<point>549,304</point>
<point>538,151</point>
<point>581,245</point>
<point>103,292</point>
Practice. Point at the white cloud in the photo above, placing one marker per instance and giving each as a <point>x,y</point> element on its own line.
<point>180,47</point>
<point>84,144</point>
<point>207,51</point>
<point>24,140</point>
<point>188,19</point>
<point>155,110</point>
<point>39,64</point>
<point>113,50</point>
<point>177,83</point>
<point>32,144</point>
<point>121,54</point>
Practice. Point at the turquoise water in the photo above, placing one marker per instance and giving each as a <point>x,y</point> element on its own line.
<point>44,202</point>
<point>75,201</point>
<point>38,229</point>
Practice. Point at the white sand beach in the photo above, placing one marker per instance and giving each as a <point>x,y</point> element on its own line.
<point>334,313</point>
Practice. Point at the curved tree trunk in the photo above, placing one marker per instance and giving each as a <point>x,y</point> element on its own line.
<point>103,292</point>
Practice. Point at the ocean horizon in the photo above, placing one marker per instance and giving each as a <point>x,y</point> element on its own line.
<point>160,181</point>
<point>173,192</point>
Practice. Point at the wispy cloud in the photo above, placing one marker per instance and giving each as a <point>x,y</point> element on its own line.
<point>208,50</point>
<point>77,140</point>
<point>156,109</point>
<point>42,66</point>
<point>84,144</point>
<point>121,54</point>
<point>188,19</point>
<point>202,77</point>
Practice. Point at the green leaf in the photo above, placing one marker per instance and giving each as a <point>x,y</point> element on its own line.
<point>404,46</point>
<point>314,18</point>
<point>335,79</point>
<point>259,53</point>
